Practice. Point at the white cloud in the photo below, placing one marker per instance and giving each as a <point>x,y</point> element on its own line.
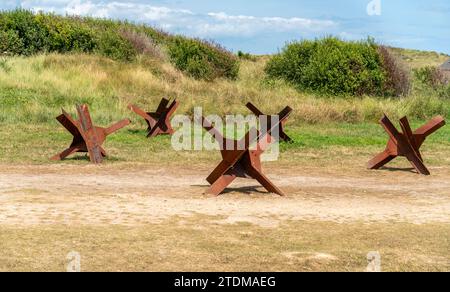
<point>243,24</point>
<point>78,7</point>
<point>128,10</point>
<point>277,22</point>
<point>182,21</point>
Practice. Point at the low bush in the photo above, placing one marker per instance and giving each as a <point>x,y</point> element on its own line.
<point>332,66</point>
<point>397,78</point>
<point>431,76</point>
<point>10,43</point>
<point>66,35</point>
<point>22,23</point>
<point>246,56</point>
<point>143,44</point>
<point>433,79</point>
<point>202,60</point>
<point>112,45</point>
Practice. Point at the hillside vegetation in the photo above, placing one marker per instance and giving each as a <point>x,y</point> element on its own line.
<point>33,89</point>
<point>53,62</point>
<point>25,33</point>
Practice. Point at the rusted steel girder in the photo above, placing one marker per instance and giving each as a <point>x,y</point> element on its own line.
<point>158,122</point>
<point>244,163</point>
<point>406,143</point>
<point>86,136</point>
<point>283,136</point>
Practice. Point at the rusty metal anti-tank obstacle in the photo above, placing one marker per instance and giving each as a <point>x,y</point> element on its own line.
<point>243,160</point>
<point>245,163</point>
<point>283,136</point>
<point>86,137</point>
<point>406,143</point>
<point>159,121</point>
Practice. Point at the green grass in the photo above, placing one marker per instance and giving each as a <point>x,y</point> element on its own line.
<point>37,143</point>
<point>350,135</point>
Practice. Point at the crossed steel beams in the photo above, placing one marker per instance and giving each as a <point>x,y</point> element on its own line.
<point>283,136</point>
<point>406,144</point>
<point>86,137</point>
<point>244,163</point>
<point>158,122</point>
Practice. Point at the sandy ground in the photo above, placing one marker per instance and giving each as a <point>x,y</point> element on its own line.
<point>92,195</point>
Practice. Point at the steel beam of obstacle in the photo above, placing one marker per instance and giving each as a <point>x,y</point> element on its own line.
<point>158,122</point>
<point>86,136</point>
<point>406,143</point>
<point>283,136</point>
<point>245,163</point>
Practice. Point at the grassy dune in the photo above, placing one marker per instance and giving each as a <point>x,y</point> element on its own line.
<point>417,59</point>
<point>33,89</point>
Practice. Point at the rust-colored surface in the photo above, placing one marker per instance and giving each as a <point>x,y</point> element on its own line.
<point>86,136</point>
<point>406,143</point>
<point>245,163</point>
<point>283,136</point>
<point>158,122</point>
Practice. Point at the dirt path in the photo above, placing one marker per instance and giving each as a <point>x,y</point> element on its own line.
<point>89,195</point>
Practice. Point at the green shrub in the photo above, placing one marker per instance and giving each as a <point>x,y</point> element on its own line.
<point>292,63</point>
<point>66,35</point>
<point>445,92</point>
<point>246,56</point>
<point>430,76</point>
<point>10,43</point>
<point>202,60</point>
<point>332,66</point>
<point>34,37</point>
<point>433,79</point>
<point>112,45</point>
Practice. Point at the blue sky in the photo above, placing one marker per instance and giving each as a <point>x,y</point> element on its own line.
<point>264,26</point>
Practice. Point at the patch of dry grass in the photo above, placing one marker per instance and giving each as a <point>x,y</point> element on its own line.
<point>199,244</point>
